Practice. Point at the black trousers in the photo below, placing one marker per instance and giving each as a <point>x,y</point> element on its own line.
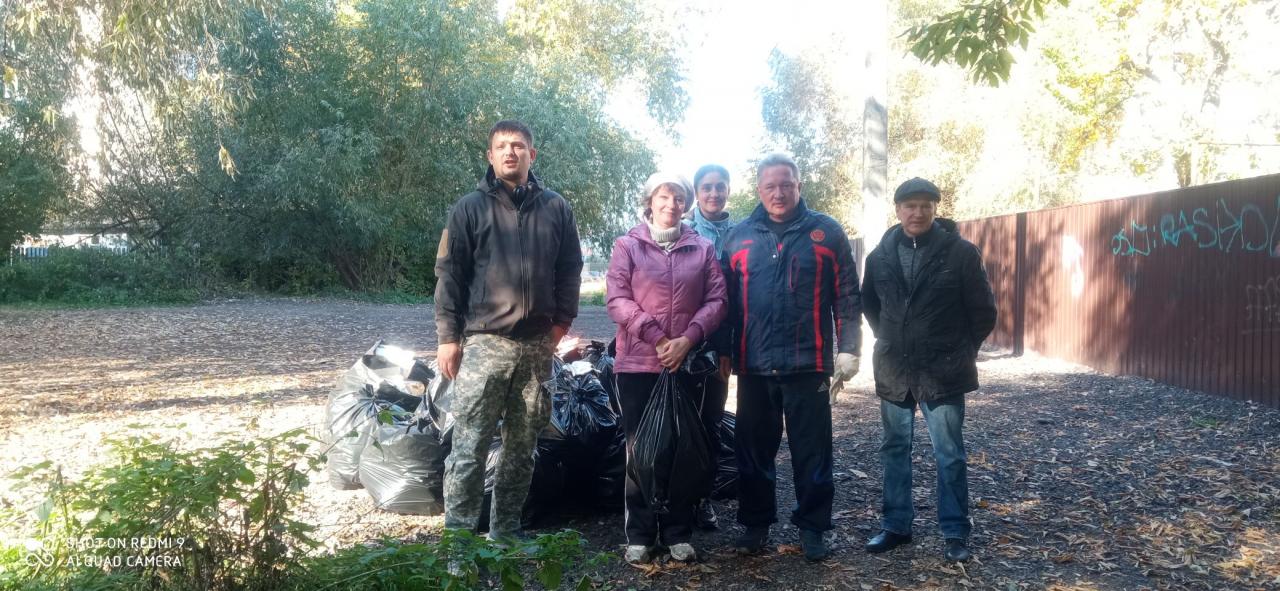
<point>763,404</point>
<point>643,526</point>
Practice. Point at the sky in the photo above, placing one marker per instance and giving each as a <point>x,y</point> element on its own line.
<point>726,66</point>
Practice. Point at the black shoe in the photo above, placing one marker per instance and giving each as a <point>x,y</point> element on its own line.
<point>752,541</point>
<point>956,550</point>
<point>705,516</point>
<point>886,541</point>
<point>815,547</point>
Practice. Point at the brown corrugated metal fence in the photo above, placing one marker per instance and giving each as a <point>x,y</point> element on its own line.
<point>1182,287</point>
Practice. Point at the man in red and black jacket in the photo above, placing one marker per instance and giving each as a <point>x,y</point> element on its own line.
<point>793,330</point>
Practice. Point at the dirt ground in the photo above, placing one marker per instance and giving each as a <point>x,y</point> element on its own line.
<point>1077,480</point>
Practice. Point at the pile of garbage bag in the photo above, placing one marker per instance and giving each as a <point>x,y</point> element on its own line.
<point>380,437</point>
<point>389,425</point>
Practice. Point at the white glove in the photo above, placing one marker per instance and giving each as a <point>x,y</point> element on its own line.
<point>846,368</point>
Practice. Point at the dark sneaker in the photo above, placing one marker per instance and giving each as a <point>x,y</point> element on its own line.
<point>956,550</point>
<point>886,541</point>
<point>752,540</point>
<point>814,545</point>
<point>705,516</point>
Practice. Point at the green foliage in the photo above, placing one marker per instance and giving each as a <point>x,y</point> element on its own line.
<point>744,201</point>
<point>35,142</point>
<point>163,518</point>
<point>97,277</point>
<point>395,565</point>
<point>1096,99</point>
<point>978,36</point>
<point>166,51</point>
<point>804,110</point>
<point>1146,97</point>
<point>221,518</point>
<point>32,180</point>
<point>302,146</point>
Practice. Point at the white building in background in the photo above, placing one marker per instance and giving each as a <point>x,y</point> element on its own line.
<point>112,241</point>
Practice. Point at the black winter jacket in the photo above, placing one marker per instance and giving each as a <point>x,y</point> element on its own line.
<point>507,271</point>
<point>792,302</point>
<point>927,332</point>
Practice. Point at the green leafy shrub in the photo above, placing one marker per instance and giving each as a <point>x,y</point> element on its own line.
<point>90,276</point>
<point>220,518</point>
<point>480,563</point>
<point>161,518</point>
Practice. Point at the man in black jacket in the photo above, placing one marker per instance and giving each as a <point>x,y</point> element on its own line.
<point>794,333</point>
<point>508,272</point>
<point>927,298</point>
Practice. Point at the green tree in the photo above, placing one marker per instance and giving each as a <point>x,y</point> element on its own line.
<point>300,144</point>
<point>805,110</point>
<point>979,36</point>
<point>33,178</point>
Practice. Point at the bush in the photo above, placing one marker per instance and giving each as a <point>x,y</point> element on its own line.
<point>220,518</point>
<point>90,276</point>
<point>394,565</point>
<point>161,518</point>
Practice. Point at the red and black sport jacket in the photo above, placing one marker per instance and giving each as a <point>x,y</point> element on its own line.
<point>794,301</point>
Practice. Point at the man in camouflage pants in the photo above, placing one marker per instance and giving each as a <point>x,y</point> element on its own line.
<point>508,274</point>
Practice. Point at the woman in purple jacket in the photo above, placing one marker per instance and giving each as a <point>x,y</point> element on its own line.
<point>667,294</point>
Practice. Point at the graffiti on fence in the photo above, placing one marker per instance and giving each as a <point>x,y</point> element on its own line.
<point>1263,307</point>
<point>1247,228</point>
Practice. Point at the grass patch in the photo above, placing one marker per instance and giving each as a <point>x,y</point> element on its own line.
<point>592,294</point>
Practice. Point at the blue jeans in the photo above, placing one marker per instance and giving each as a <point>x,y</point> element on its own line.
<point>945,420</point>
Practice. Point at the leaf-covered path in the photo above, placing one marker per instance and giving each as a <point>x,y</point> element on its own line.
<point>1078,480</point>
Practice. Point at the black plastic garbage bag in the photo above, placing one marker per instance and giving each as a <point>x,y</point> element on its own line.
<point>701,361</point>
<point>671,460</point>
<point>604,367</point>
<point>581,409</point>
<point>440,402</point>
<point>545,499</point>
<point>611,475</point>
<point>423,370</point>
<point>403,467</point>
<point>600,355</point>
<point>726,481</point>
<point>349,413</point>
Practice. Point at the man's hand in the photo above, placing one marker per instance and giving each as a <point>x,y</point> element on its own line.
<point>846,368</point>
<point>557,333</point>
<point>672,355</point>
<point>449,359</point>
<point>725,368</point>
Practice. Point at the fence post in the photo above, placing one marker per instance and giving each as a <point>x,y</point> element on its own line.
<point>1020,285</point>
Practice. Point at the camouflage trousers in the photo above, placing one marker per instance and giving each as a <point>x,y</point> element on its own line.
<point>500,380</point>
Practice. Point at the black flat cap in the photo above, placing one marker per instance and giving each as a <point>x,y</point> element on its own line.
<point>916,187</point>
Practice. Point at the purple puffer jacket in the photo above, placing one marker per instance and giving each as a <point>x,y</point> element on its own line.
<point>655,294</point>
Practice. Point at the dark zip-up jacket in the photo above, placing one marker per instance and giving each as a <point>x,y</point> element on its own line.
<point>928,330</point>
<point>792,302</point>
<point>505,270</point>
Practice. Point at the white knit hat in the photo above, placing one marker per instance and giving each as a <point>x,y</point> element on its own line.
<point>657,180</point>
